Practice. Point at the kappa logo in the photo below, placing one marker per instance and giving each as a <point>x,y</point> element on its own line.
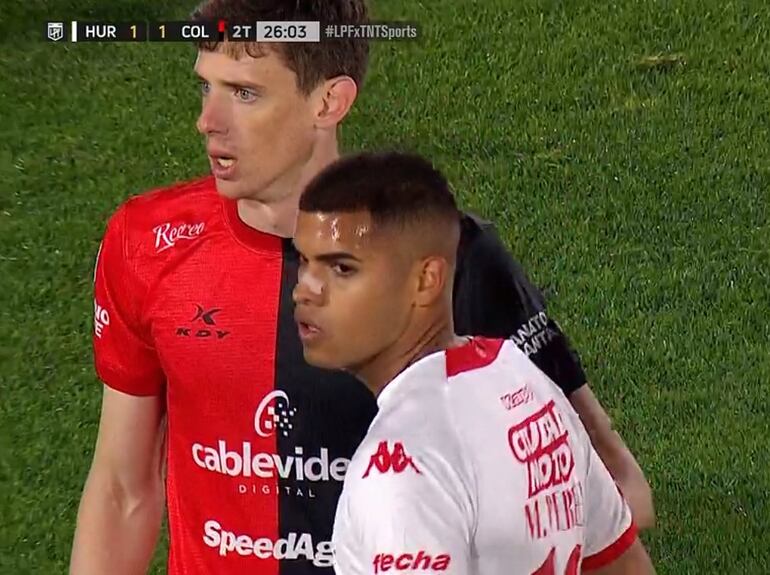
<point>385,460</point>
<point>166,235</point>
<point>205,325</point>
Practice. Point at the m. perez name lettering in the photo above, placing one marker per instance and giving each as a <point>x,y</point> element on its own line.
<point>166,236</point>
<point>540,442</point>
<point>267,465</point>
<point>560,510</point>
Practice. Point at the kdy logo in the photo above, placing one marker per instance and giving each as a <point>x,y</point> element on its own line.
<point>55,31</point>
<point>204,325</point>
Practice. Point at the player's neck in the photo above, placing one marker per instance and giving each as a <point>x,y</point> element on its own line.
<point>276,218</point>
<point>278,215</point>
<point>417,343</point>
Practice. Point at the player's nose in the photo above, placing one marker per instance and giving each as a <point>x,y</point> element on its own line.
<point>301,295</point>
<point>304,296</point>
<point>211,119</point>
<point>309,288</point>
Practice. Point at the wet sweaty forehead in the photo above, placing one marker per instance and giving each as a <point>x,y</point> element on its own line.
<point>318,233</point>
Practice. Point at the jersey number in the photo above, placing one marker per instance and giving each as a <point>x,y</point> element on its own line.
<point>548,567</point>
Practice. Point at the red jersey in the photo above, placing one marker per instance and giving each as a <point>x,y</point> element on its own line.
<point>194,305</point>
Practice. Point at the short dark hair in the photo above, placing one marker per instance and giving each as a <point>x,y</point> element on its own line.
<point>396,188</point>
<point>312,62</point>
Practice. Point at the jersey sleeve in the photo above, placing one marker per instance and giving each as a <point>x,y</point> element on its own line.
<point>124,358</point>
<point>610,529</point>
<point>494,298</point>
<point>405,522</point>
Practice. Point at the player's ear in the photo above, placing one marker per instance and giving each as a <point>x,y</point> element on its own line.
<point>334,98</point>
<point>433,275</point>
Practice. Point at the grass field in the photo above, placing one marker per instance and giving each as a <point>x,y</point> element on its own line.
<point>623,148</point>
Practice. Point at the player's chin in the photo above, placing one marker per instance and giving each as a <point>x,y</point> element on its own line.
<point>318,356</point>
<point>230,189</point>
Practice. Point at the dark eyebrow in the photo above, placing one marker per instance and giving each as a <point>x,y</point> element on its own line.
<point>251,85</point>
<point>336,256</point>
<point>327,257</point>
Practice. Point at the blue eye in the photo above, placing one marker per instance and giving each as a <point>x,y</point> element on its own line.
<point>245,95</point>
<point>205,87</point>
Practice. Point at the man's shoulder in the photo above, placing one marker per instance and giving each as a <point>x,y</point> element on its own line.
<point>482,247</point>
<point>487,276</point>
<point>473,227</point>
<point>155,220</point>
<point>401,465</point>
<point>404,444</point>
<point>192,196</point>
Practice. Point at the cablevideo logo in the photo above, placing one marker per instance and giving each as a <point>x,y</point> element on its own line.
<point>249,460</point>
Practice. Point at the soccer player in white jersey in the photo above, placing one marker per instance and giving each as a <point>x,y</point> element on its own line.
<point>475,463</point>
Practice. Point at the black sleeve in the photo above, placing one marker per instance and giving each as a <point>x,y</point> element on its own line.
<point>494,298</point>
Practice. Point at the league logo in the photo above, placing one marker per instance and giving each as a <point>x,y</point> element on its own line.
<point>55,31</point>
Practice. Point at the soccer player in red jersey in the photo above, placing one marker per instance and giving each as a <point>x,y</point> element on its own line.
<point>208,405</point>
<point>475,464</point>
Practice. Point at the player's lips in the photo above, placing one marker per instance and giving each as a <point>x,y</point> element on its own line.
<point>308,331</point>
<point>222,163</point>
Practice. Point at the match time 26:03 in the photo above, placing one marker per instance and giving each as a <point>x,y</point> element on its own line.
<point>282,31</point>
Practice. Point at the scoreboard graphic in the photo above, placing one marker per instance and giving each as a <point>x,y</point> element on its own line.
<point>262,31</point>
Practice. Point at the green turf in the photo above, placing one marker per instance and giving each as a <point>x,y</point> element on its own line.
<point>621,147</point>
